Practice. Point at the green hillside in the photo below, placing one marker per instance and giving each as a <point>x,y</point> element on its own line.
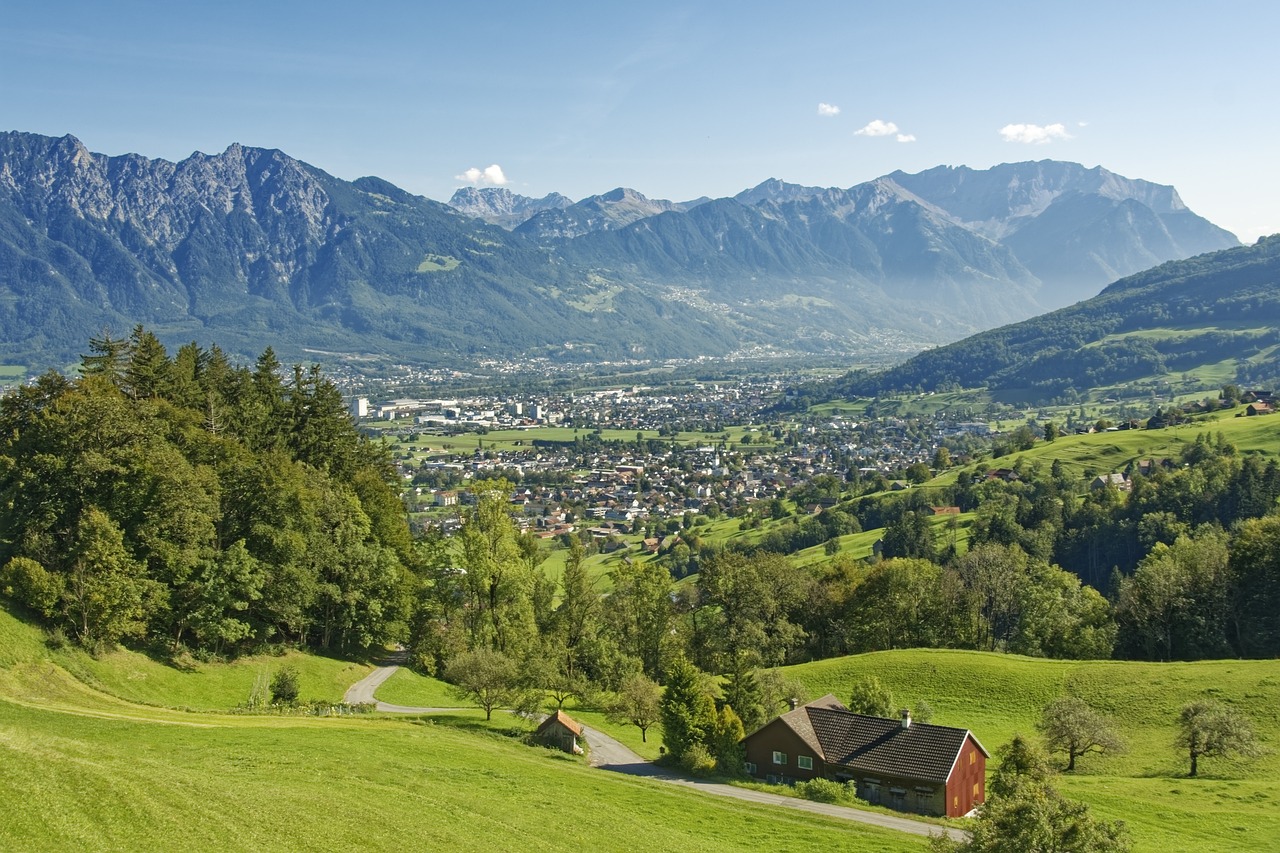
<point>1229,807</point>
<point>96,772</point>
<point>1213,317</point>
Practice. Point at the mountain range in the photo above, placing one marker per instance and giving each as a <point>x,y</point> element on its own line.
<point>252,247</point>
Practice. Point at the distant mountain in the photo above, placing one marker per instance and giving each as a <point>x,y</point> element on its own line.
<point>1074,228</point>
<point>251,247</point>
<point>614,209</point>
<point>1214,309</point>
<point>500,206</point>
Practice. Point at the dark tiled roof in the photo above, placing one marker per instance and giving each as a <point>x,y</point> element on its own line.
<point>877,745</point>
<point>798,721</point>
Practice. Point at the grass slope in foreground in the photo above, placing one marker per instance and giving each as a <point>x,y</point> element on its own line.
<point>1231,806</point>
<point>81,770</point>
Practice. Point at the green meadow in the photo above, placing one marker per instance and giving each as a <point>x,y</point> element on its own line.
<point>81,769</point>
<point>102,756</point>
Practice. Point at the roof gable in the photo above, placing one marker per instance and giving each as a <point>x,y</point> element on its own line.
<point>563,719</point>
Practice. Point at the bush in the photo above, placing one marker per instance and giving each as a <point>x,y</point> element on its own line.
<point>284,686</point>
<point>697,760</point>
<point>823,791</point>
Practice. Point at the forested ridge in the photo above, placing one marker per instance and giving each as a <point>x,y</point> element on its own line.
<point>189,503</point>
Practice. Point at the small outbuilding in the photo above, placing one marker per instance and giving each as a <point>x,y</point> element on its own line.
<point>561,731</point>
<point>912,767</point>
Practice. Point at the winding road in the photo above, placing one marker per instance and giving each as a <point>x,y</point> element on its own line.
<point>610,754</point>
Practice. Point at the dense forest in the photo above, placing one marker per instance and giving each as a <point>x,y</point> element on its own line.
<point>190,504</point>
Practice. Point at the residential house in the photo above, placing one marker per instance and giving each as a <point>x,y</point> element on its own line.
<point>908,766</point>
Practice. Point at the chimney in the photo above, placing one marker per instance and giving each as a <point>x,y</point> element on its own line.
<point>794,702</point>
<point>906,718</point>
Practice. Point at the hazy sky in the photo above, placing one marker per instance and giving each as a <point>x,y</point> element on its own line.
<point>676,100</point>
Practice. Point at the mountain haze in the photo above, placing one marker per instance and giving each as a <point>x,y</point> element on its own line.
<point>1221,308</point>
<point>251,246</point>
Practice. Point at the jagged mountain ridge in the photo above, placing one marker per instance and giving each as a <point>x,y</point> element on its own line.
<point>251,247</point>
<point>500,206</point>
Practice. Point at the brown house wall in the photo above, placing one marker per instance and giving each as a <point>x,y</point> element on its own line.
<point>778,736</point>
<point>967,777</point>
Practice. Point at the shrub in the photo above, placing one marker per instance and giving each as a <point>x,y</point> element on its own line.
<point>823,791</point>
<point>697,760</point>
<point>284,686</point>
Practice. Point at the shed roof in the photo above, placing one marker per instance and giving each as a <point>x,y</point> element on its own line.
<point>562,719</point>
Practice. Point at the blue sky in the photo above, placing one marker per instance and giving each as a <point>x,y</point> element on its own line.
<point>676,100</point>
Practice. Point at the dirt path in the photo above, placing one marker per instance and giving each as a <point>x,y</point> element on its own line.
<point>610,754</point>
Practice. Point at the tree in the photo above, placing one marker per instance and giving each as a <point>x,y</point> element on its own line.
<point>1070,725</point>
<point>1175,606</point>
<point>639,702</point>
<point>688,712</point>
<point>871,698</point>
<point>638,611</point>
<point>910,536</point>
<point>1021,762</point>
<point>1210,729</point>
<point>498,582</point>
<point>579,610</point>
<point>485,676</point>
<point>726,742</point>
<point>107,597</point>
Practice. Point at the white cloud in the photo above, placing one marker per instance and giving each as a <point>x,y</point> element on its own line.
<point>490,177</point>
<point>828,110</point>
<point>877,128</point>
<point>906,137</point>
<point>1033,134</point>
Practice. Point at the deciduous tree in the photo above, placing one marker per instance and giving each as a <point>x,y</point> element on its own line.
<point>1069,725</point>
<point>1209,729</point>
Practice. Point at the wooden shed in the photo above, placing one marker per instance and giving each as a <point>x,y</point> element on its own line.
<point>561,731</point>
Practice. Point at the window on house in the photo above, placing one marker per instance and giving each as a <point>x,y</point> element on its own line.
<point>975,790</point>
<point>751,768</point>
<point>804,762</point>
<point>779,758</point>
<point>973,756</point>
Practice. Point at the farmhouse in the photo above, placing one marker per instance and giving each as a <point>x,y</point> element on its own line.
<point>913,767</point>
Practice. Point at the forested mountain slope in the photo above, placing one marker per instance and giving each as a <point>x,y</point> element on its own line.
<point>1175,317</point>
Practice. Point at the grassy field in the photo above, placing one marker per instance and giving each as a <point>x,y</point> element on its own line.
<point>95,772</point>
<point>1230,807</point>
